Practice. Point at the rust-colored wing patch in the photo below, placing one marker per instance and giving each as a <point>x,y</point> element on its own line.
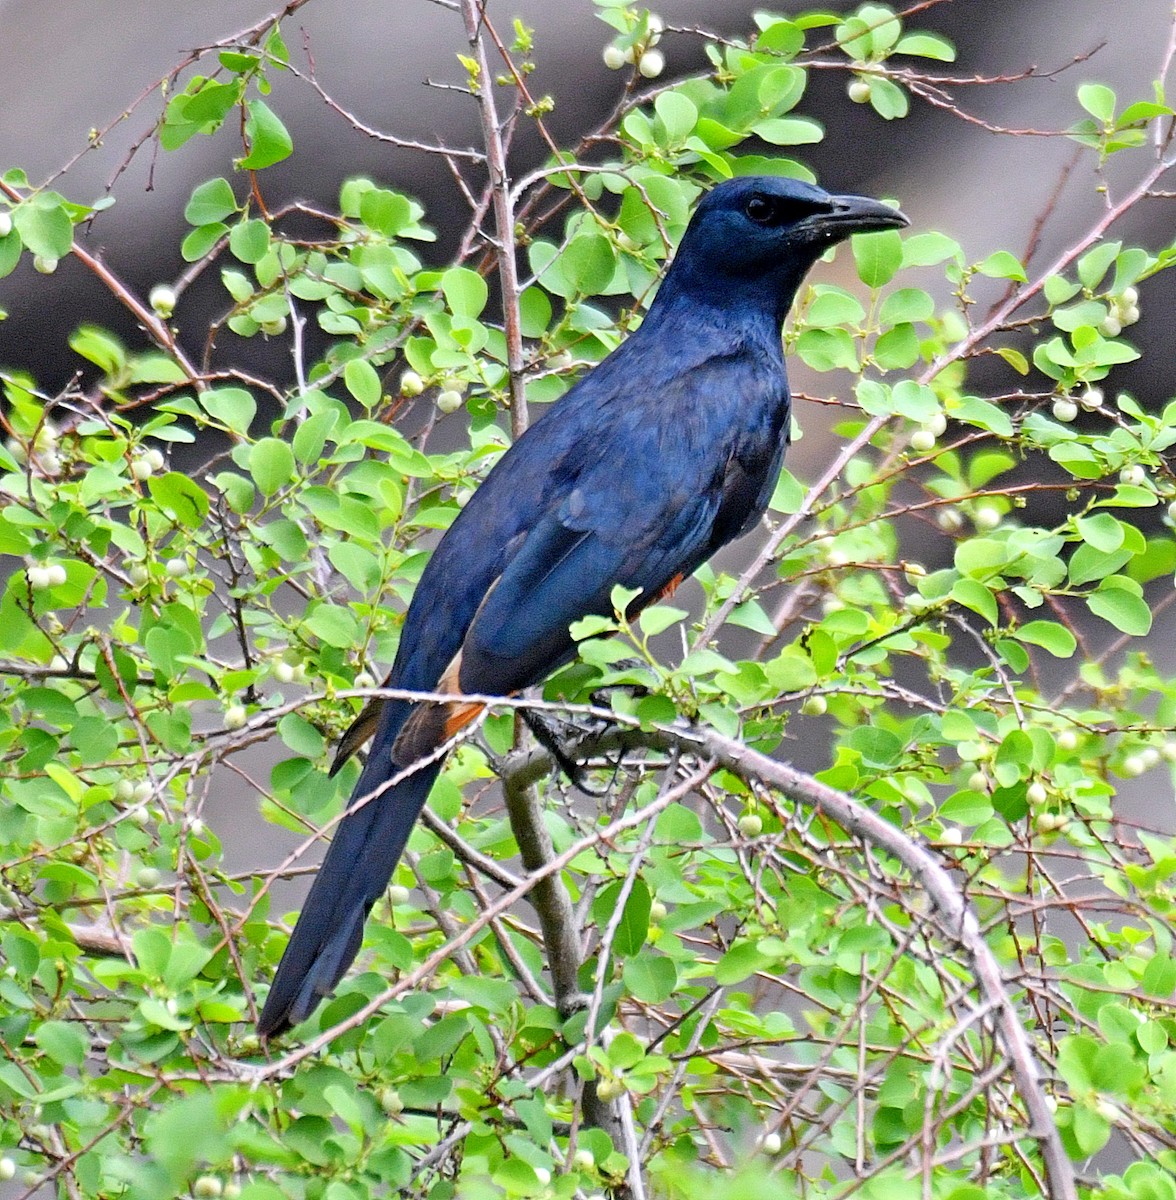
<point>431,724</point>
<point>669,589</point>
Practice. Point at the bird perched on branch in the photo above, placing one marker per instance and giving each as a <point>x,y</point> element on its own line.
<point>661,455</point>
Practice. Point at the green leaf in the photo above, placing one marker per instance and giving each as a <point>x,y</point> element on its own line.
<point>200,241</point>
<point>974,595</point>
<point>534,312</point>
<point>659,617</point>
<point>877,256</point>
<point>301,736</point>
<point>887,99</point>
<point>651,978</point>
<point>634,922</point>
<point>181,498</point>
<point>1051,636</point>
<point>878,747</point>
<point>44,227</point>
<point>269,141</point>
<point>334,625</point>
<point>790,131</point>
<point>742,960</point>
<point>65,1043</point>
<point>1094,264</point>
<point>926,45</point>
<point>233,407</point>
<point>385,211</point>
<point>250,241</point>
<point>1101,531</point>
<point>906,304</point>
<point>1098,100</point>
<point>589,263</point>
<point>10,248</point>
<point>465,291</point>
<point>1126,611</point>
<point>677,113</point>
<point>271,463</point>
<point>211,201</point>
<point>363,382</point>
<point>1000,264</point>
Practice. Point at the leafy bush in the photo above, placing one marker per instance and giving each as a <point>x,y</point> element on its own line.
<point>850,980</point>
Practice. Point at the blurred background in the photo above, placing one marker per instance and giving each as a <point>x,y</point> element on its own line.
<point>68,69</point>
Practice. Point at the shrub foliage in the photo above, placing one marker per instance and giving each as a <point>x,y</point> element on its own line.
<point>956,611</point>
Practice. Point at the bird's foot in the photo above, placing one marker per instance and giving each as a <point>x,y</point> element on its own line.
<point>552,734</point>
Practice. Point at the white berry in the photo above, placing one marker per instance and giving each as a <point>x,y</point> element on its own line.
<point>815,706</point>
<point>771,1143</point>
<point>449,401</point>
<point>859,91</point>
<point>986,517</point>
<point>177,568</point>
<point>614,57</point>
<point>44,264</point>
<point>1065,410</point>
<point>163,300</point>
<point>951,520</point>
<point>1091,398</point>
<point>275,327</point>
<point>936,424</point>
<point>1110,326</point>
<point>1067,740</point>
<point>411,384</point>
<point>141,469</point>
<point>1037,792</point>
<point>1134,475</point>
<point>38,577</point>
<point>922,440</point>
<point>235,716</point>
<point>651,63</point>
<point>751,824</point>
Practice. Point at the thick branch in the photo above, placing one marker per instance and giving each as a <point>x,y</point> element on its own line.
<point>557,918</point>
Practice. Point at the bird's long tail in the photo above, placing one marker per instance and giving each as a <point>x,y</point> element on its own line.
<point>364,852</point>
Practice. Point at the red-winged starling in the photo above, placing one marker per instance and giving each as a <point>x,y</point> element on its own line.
<point>663,453</point>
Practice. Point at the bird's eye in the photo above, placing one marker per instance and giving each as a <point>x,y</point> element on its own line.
<point>760,209</point>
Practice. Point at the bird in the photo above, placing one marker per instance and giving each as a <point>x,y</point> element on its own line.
<point>665,451</point>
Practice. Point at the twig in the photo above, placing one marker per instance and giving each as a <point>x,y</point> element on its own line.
<point>504,218</point>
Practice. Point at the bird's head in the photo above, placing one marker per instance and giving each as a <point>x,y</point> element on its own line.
<point>756,236</point>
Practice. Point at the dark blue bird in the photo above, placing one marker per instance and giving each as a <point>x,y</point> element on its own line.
<point>665,452</point>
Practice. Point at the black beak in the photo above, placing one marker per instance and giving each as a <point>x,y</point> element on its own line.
<point>855,214</point>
